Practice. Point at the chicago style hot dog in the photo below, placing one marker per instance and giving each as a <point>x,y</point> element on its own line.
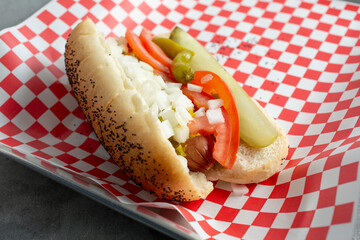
<point>170,138</point>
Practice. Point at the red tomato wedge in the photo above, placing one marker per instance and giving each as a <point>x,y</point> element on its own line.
<point>200,99</point>
<point>201,125</point>
<point>153,49</point>
<point>222,146</point>
<point>213,85</point>
<point>140,51</point>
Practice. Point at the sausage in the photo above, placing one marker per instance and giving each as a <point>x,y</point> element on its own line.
<point>198,152</point>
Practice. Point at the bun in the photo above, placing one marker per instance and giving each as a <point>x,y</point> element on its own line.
<point>123,122</point>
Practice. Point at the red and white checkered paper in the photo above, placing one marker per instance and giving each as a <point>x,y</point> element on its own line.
<point>299,59</point>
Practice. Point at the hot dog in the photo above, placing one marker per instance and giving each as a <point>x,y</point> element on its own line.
<point>146,122</point>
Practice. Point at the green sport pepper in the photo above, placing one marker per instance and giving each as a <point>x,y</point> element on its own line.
<point>180,67</point>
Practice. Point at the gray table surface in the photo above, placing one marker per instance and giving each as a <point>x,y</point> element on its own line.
<point>36,207</point>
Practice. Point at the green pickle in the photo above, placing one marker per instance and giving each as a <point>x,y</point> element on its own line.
<point>181,69</point>
<point>255,128</point>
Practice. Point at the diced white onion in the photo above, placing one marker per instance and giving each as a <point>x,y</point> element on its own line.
<point>215,103</point>
<point>172,90</point>
<point>172,84</point>
<point>183,101</point>
<point>200,112</point>
<point>173,96</point>
<point>194,88</point>
<point>206,78</point>
<point>184,113</point>
<point>215,116</point>
<point>128,83</point>
<point>129,69</point>
<point>167,129</point>
<point>154,110</point>
<point>148,88</point>
<point>181,134</point>
<point>146,66</point>
<point>159,80</point>
<point>115,48</point>
<point>129,59</point>
<point>161,99</point>
<point>180,119</point>
<point>169,115</point>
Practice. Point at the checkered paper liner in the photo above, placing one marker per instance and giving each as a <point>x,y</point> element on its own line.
<point>299,59</point>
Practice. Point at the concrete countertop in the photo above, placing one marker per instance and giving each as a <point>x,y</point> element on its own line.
<point>36,207</point>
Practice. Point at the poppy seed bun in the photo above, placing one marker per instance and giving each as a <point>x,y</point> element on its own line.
<point>122,121</point>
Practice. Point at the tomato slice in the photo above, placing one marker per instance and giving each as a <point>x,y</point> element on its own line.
<point>200,99</point>
<point>213,85</point>
<point>140,51</point>
<point>153,48</point>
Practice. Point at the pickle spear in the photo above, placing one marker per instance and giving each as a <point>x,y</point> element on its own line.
<point>255,128</point>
